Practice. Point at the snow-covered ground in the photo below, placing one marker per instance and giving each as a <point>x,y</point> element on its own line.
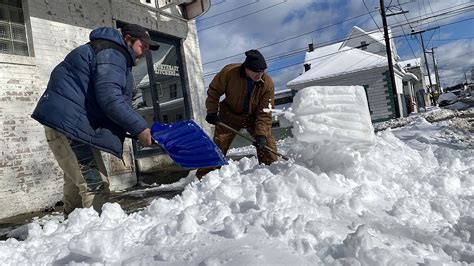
<point>405,198</point>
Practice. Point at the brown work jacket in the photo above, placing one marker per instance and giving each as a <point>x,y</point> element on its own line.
<point>231,81</point>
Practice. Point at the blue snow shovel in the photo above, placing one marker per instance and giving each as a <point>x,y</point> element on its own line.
<point>187,144</point>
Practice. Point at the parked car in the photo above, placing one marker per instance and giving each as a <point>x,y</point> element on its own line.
<point>447,98</point>
<point>458,93</point>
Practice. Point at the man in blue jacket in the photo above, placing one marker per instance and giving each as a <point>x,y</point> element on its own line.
<point>86,109</point>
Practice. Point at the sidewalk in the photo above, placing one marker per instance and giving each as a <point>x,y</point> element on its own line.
<point>131,200</point>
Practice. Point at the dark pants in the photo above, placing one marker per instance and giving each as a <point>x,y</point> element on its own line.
<point>224,137</point>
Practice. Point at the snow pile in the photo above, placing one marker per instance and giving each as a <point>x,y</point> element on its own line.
<point>432,114</point>
<point>332,114</point>
<point>407,199</point>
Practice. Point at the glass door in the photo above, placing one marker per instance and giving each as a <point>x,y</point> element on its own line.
<point>160,91</point>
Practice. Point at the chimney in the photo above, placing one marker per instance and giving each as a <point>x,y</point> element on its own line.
<point>307,67</point>
<point>310,47</point>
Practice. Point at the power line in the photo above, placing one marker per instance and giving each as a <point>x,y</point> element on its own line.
<point>342,52</point>
<point>444,68</point>
<point>299,63</point>
<point>453,22</point>
<point>405,15</point>
<point>337,41</point>
<point>411,28</point>
<point>432,34</point>
<point>291,38</point>
<point>457,39</point>
<point>419,11</point>
<point>371,14</point>
<point>225,12</point>
<point>431,8</point>
<point>424,9</point>
<point>455,12</point>
<point>426,13</point>
<point>286,54</point>
<point>451,58</point>
<point>406,38</point>
<point>325,27</point>
<point>246,15</point>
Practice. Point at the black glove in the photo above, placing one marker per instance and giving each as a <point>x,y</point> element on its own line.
<point>212,118</point>
<point>260,142</point>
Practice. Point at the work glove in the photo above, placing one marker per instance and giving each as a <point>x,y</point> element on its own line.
<point>212,118</point>
<point>260,142</point>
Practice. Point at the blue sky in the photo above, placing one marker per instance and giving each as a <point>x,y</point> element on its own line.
<point>282,30</point>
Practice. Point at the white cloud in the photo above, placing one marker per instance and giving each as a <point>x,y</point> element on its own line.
<point>454,59</point>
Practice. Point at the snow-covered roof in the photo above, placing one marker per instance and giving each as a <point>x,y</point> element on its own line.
<point>414,62</point>
<point>358,32</point>
<point>283,93</point>
<point>321,52</point>
<point>409,76</point>
<point>328,61</point>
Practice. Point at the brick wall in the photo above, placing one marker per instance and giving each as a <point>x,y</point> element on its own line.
<point>29,176</point>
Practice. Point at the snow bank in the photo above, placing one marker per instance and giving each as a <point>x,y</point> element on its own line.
<point>407,200</point>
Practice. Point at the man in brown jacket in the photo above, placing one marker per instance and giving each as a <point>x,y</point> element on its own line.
<point>248,90</point>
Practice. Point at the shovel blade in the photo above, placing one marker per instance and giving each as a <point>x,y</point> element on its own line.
<point>188,145</point>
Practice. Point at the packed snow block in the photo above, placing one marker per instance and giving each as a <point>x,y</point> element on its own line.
<point>332,114</point>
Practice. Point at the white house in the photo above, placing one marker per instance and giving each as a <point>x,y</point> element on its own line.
<point>417,90</point>
<point>35,35</point>
<point>358,60</point>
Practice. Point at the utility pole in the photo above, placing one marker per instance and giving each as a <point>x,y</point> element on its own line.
<point>435,68</point>
<point>389,57</point>
<point>424,55</point>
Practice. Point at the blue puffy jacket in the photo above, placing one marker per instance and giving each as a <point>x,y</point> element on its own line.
<point>88,97</point>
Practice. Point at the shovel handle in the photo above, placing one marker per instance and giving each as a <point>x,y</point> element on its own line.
<point>128,136</point>
<point>136,138</point>
<point>252,140</point>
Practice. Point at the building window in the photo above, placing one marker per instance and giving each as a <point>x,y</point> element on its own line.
<point>179,116</point>
<point>165,119</point>
<point>363,45</point>
<point>12,28</point>
<point>173,91</point>
<point>160,90</point>
<point>366,88</point>
<point>280,101</point>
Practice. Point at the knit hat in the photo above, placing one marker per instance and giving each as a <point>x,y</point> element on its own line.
<point>141,33</point>
<point>255,61</point>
